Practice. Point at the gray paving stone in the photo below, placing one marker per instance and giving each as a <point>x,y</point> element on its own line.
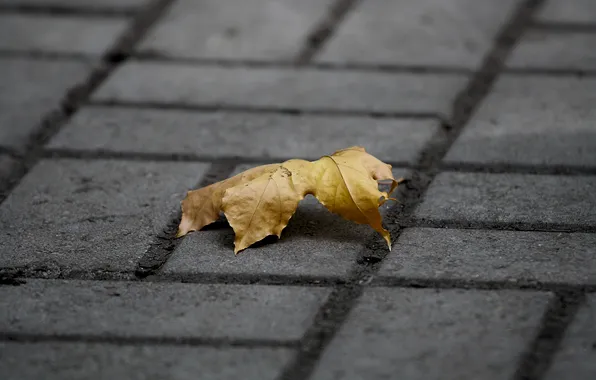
<point>231,29</point>
<point>159,310</point>
<point>419,32</point>
<point>433,334</point>
<point>532,120</point>
<point>90,4</point>
<point>31,89</point>
<point>510,198</point>
<point>315,243</point>
<point>59,34</point>
<point>78,361</point>
<point>225,134</point>
<point>285,88</point>
<point>572,11</point>
<point>577,356</point>
<point>543,50</point>
<point>90,215</point>
<point>493,255</point>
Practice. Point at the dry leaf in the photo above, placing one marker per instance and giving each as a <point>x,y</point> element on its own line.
<point>260,201</point>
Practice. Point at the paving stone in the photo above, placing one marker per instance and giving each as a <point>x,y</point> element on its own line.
<point>543,50</point>
<point>59,34</point>
<point>510,198</point>
<point>60,361</point>
<point>90,215</point>
<point>493,255</point>
<point>89,4</point>
<point>577,356</point>
<point>433,334</point>
<point>248,29</point>
<point>105,308</point>
<point>532,120</point>
<point>315,243</point>
<point>281,88</point>
<point>31,89</point>
<point>571,11</point>
<point>225,134</point>
<point>419,32</point>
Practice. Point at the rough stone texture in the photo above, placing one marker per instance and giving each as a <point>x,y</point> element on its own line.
<point>578,352</point>
<point>543,50</point>
<point>532,120</point>
<point>315,243</point>
<point>419,32</point>
<point>158,310</point>
<point>572,11</point>
<point>35,87</point>
<point>247,29</point>
<point>433,334</point>
<point>59,34</point>
<point>510,198</point>
<point>285,88</point>
<point>225,134</point>
<point>55,361</point>
<point>493,255</point>
<point>89,4</point>
<point>90,215</point>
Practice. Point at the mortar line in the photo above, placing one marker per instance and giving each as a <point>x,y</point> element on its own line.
<point>20,276</point>
<point>112,339</point>
<point>551,72</point>
<point>164,244</point>
<point>103,154</point>
<point>151,57</point>
<point>43,55</point>
<point>500,226</point>
<point>343,299</point>
<point>74,98</point>
<point>565,27</point>
<point>541,352</point>
<point>497,168</point>
<point>146,57</point>
<point>73,10</point>
<point>218,107</point>
<point>324,30</point>
<point>518,168</point>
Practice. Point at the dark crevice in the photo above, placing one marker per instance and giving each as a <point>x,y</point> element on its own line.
<point>499,226</point>
<point>344,297</point>
<point>11,276</point>
<point>541,351</point>
<point>155,56</point>
<point>551,72</point>
<point>516,168</point>
<point>146,340</point>
<point>49,55</point>
<point>174,157</point>
<point>497,168</point>
<point>477,284</point>
<point>79,94</point>
<point>565,27</point>
<point>324,30</point>
<point>264,109</point>
<point>164,244</point>
<point>70,10</point>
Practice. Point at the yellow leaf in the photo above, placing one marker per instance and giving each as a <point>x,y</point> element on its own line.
<point>201,207</point>
<point>261,207</point>
<point>260,202</point>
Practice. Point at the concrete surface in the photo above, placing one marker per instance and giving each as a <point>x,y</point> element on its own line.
<point>486,107</point>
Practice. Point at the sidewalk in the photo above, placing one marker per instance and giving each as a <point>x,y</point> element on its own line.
<point>110,110</point>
